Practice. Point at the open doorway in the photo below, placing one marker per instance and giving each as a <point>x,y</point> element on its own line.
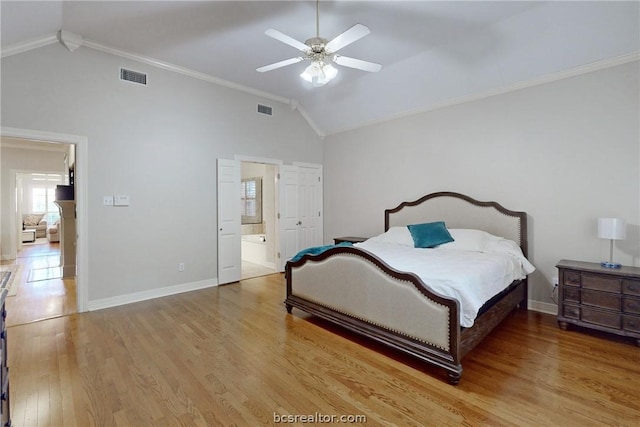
<point>258,200</point>
<point>31,248</point>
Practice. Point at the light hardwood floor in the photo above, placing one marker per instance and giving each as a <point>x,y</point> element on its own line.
<point>47,297</point>
<point>231,355</point>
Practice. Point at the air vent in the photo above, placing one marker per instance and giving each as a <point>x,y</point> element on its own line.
<point>133,76</point>
<point>265,109</point>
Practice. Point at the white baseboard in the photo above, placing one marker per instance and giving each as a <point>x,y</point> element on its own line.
<point>150,294</point>
<point>543,307</point>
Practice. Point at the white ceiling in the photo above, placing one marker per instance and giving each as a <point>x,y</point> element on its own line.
<point>432,53</point>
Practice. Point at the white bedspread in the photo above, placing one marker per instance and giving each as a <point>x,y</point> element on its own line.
<point>470,277</point>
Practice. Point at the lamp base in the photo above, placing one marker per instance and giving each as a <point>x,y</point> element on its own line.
<point>608,264</point>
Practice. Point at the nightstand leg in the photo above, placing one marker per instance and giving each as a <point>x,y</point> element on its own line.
<point>562,325</point>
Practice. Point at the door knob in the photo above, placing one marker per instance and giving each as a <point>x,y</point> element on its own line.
<point>299,223</point>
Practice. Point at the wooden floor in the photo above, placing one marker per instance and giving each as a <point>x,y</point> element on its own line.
<point>251,270</point>
<point>231,355</point>
<point>42,294</point>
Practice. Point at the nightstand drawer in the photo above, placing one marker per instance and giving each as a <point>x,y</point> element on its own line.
<point>572,278</point>
<point>600,283</point>
<point>571,293</point>
<point>631,323</point>
<point>631,305</point>
<point>571,311</point>
<point>599,317</point>
<point>631,287</point>
<point>601,299</point>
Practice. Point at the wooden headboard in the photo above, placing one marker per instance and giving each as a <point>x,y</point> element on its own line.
<point>460,211</point>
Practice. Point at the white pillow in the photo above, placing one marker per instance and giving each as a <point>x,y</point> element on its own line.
<point>466,239</point>
<point>396,236</point>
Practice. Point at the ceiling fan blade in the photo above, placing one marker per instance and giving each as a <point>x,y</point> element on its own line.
<point>286,39</point>
<point>279,64</point>
<point>354,33</point>
<point>357,63</point>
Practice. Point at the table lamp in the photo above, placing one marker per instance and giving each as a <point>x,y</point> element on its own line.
<point>612,229</point>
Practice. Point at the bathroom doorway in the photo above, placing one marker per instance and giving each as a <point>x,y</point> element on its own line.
<point>259,219</point>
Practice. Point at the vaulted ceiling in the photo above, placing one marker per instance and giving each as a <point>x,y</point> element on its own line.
<point>432,53</point>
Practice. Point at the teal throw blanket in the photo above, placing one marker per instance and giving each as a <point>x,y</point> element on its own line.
<point>317,250</point>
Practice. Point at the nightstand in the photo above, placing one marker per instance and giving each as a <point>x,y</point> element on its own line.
<point>351,239</point>
<point>599,298</point>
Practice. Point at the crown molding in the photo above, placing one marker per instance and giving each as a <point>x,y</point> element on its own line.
<point>549,78</point>
<point>310,121</point>
<point>203,76</point>
<point>28,45</point>
<point>79,41</point>
<point>182,70</point>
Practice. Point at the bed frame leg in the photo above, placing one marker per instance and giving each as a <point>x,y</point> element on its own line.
<point>454,377</point>
<point>289,308</point>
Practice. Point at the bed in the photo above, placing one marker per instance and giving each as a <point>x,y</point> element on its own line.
<point>353,288</point>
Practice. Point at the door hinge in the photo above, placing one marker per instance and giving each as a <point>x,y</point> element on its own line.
<point>278,215</point>
<point>278,176</point>
<point>318,179</point>
<point>278,255</point>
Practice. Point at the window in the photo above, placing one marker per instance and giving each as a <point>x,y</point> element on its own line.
<point>42,189</point>
<point>251,200</point>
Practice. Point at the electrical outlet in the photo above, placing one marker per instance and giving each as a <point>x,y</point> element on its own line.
<point>107,200</point>
<point>181,266</point>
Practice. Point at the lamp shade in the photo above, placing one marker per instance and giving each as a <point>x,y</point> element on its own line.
<point>612,228</point>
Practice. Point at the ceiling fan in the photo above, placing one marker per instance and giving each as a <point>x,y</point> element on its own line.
<point>322,53</point>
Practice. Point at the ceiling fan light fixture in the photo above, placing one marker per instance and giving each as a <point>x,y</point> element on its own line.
<point>319,73</point>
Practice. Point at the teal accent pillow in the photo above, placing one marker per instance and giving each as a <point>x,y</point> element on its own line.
<point>429,234</point>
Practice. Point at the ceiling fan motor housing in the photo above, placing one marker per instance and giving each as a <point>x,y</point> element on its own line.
<point>317,45</point>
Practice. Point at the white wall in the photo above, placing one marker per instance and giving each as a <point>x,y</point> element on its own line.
<point>158,144</point>
<point>24,160</point>
<point>565,152</point>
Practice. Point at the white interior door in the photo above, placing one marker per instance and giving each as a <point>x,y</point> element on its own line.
<point>288,213</point>
<point>310,206</point>
<point>229,254</point>
<point>300,216</point>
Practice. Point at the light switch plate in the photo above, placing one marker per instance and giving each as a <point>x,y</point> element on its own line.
<point>121,200</point>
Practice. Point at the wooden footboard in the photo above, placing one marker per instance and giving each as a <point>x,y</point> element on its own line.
<point>354,289</point>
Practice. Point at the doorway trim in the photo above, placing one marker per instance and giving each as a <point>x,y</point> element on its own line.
<point>82,237</point>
